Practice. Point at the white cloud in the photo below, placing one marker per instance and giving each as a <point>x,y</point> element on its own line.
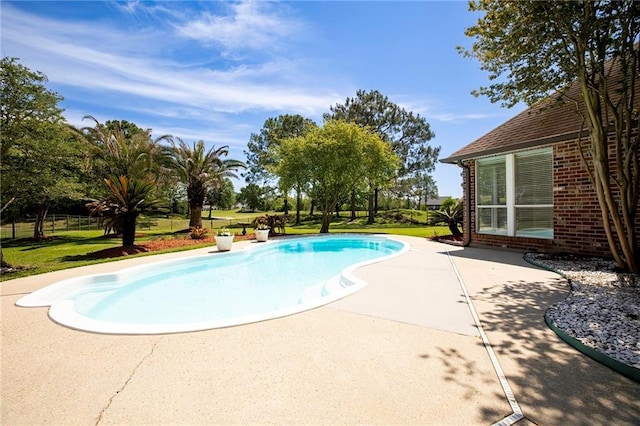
<point>103,59</point>
<point>250,24</point>
<point>457,117</point>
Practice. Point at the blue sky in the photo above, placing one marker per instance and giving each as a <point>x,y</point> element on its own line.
<point>216,70</point>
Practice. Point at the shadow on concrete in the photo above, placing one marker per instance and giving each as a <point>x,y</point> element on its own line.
<point>554,383</point>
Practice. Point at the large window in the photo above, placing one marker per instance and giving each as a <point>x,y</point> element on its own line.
<point>514,194</point>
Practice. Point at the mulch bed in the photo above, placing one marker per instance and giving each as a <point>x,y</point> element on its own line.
<point>156,245</point>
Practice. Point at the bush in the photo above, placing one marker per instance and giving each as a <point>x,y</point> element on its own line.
<point>198,233</point>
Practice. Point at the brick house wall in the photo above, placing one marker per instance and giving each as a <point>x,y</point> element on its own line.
<point>576,213</point>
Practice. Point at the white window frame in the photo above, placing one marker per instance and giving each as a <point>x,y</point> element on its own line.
<point>510,197</point>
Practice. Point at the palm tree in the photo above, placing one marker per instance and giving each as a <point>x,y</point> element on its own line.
<point>127,199</point>
<point>120,148</point>
<point>200,170</point>
<point>452,216</point>
<point>129,161</point>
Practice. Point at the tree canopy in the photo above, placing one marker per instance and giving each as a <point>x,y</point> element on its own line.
<point>262,150</point>
<point>407,133</point>
<point>200,169</point>
<point>41,160</point>
<point>26,104</point>
<point>334,160</point>
<point>533,49</point>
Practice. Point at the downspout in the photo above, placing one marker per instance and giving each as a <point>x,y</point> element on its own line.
<point>467,203</point>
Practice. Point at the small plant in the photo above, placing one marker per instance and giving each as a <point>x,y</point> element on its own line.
<point>452,216</point>
<point>275,224</point>
<point>224,232</point>
<point>198,233</point>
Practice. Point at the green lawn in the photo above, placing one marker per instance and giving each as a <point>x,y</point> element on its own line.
<point>67,249</point>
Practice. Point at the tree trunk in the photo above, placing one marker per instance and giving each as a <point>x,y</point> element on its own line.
<point>375,206</point>
<point>326,220</point>
<point>298,205</point>
<point>195,220</point>
<point>371,217</point>
<point>41,215</point>
<point>313,204</point>
<point>3,264</point>
<point>353,205</point>
<point>2,209</point>
<point>286,205</point>
<point>128,230</point>
<point>453,227</point>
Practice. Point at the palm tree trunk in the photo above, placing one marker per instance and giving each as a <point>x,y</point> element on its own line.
<point>128,230</point>
<point>195,220</point>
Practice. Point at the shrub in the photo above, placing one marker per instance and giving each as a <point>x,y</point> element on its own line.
<point>198,233</point>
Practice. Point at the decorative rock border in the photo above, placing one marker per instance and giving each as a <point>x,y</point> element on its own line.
<point>626,370</point>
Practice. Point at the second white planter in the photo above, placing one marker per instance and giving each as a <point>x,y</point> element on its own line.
<point>262,234</point>
<point>224,242</point>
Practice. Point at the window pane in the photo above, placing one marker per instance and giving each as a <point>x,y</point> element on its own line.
<point>492,220</point>
<point>535,222</point>
<point>492,182</point>
<point>534,177</point>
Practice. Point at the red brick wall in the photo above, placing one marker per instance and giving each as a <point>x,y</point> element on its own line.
<point>577,219</point>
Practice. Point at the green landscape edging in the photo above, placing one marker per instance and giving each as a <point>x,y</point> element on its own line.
<point>622,368</point>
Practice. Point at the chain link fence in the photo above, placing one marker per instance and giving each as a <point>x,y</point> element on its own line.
<point>56,223</point>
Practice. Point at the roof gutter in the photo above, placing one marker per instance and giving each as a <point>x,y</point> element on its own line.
<point>466,234</point>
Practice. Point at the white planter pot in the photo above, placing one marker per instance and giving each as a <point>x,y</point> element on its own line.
<point>262,234</point>
<point>224,242</point>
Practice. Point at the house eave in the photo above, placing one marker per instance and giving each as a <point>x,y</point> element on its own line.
<point>454,159</point>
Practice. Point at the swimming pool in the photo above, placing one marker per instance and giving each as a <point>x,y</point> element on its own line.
<point>270,280</point>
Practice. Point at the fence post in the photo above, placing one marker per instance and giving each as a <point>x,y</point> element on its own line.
<point>79,221</point>
<point>13,230</point>
<point>53,223</point>
<point>67,222</point>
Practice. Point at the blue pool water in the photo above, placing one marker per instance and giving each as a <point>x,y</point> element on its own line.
<point>270,280</point>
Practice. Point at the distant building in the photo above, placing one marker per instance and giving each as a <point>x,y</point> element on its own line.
<point>435,203</point>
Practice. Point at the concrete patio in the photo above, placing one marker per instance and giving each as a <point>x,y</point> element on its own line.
<point>404,350</point>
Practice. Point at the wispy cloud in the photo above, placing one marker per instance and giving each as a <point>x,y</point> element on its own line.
<point>112,68</point>
<point>458,117</point>
<point>251,24</point>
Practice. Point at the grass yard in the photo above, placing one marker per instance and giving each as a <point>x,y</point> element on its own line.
<point>68,249</point>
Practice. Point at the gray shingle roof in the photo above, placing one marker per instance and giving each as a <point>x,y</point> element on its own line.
<point>544,123</point>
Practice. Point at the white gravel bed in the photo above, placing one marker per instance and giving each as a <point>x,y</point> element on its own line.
<point>603,309</point>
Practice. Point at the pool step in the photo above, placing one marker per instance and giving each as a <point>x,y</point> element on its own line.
<point>322,290</point>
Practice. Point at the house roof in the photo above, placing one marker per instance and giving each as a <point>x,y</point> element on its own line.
<point>545,123</point>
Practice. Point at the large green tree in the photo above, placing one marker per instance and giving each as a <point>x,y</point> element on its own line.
<point>262,147</point>
<point>532,49</point>
<point>252,196</point>
<point>222,196</point>
<point>40,158</point>
<point>333,161</point>
<point>407,133</point>
<point>200,169</point>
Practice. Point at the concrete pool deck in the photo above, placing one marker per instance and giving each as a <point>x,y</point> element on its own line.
<point>404,350</point>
